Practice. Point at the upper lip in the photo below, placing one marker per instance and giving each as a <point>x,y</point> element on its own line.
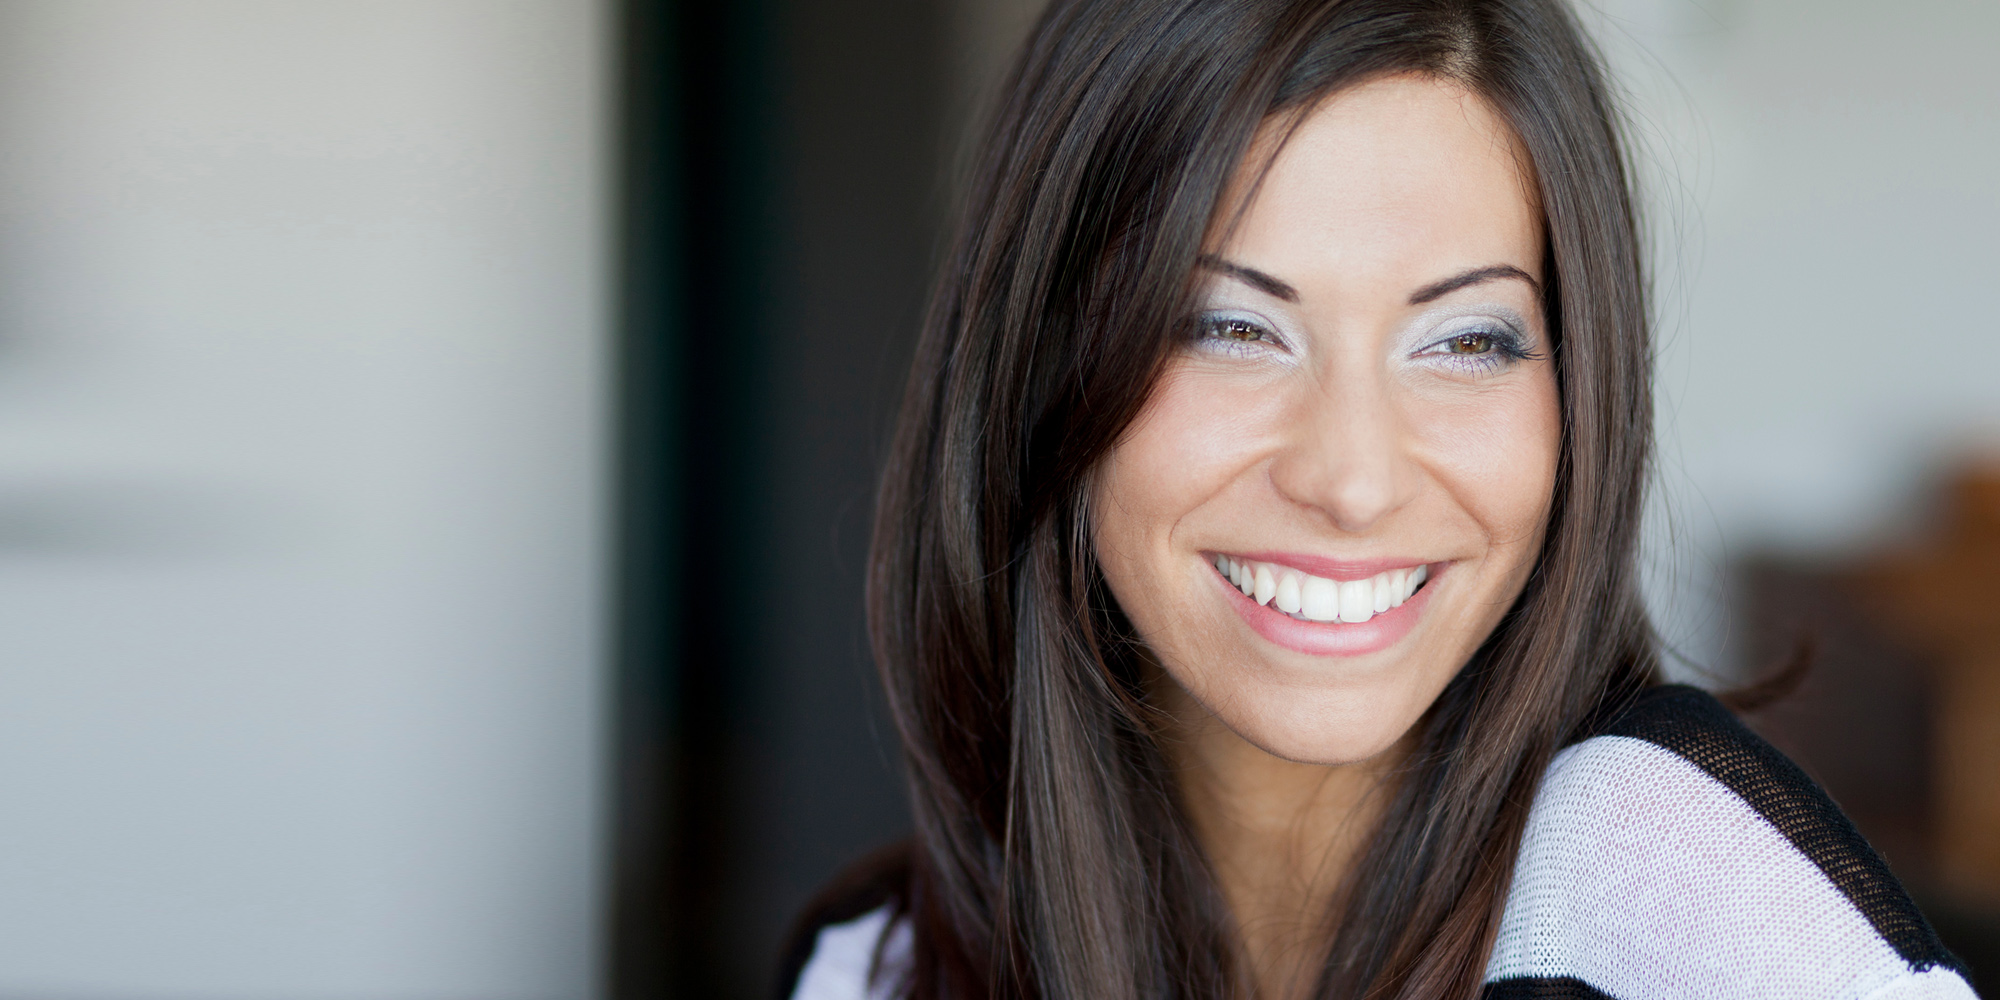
<point>1329,568</point>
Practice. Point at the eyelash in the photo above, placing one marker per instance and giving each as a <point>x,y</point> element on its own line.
<point>1505,347</point>
<point>1208,327</point>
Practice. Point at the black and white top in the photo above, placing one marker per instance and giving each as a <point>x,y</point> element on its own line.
<point>1674,856</point>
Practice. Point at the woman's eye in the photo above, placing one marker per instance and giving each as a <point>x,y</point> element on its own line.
<point>1478,350</point>
<point>1237,331</point>
<point>1471,343</point>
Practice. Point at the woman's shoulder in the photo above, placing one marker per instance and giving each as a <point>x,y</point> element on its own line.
<point>851,938</point>
<point>1676,854</point>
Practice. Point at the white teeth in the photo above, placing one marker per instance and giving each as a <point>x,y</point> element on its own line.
<point>1312,598</point>
<point>1357,601</point>
<point>1319,599</point>
<point>1288,593</point>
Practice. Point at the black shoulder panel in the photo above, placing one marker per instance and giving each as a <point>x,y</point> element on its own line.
<point>1541,988</point>
<point>881,878</point>
<point>1694,726</point>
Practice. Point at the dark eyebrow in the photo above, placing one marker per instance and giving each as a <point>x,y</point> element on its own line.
<point>1251,276</point>
<point>1439,289</point>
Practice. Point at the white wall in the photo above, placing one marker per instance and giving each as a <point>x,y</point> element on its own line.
<point>1825,175</point>
<point>302,452</point>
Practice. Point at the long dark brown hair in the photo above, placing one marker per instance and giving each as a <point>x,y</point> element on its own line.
<point>1051,857</point>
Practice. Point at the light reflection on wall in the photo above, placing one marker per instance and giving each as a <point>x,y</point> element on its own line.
<point>301,447</point>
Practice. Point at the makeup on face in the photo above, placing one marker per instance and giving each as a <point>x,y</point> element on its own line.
<point>1464,337</point>
<point>1339,484</point>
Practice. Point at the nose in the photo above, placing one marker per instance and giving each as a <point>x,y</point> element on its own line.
<point>1347,456</point>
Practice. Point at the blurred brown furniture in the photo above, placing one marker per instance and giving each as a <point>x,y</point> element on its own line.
<point>1943,599</point>
<point>1900,716</point>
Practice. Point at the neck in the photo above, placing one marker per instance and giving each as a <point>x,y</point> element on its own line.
<point>1281,837</point>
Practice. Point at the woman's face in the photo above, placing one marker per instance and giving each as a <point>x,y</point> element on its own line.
<point>1342,480</point>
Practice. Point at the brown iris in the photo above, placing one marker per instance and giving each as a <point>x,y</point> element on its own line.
<point>1472,343</point>
<point>1236,329</point>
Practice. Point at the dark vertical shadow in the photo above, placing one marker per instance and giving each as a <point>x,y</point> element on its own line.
<point>642,961</point>
<point>725,319</point>
<point>696,243</point>
<point>778,179</point>
<point>863,98</point>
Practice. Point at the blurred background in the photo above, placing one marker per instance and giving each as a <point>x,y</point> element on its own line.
<point>437,437</point>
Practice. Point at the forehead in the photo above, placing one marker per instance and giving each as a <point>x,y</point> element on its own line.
<point>1396,179</point>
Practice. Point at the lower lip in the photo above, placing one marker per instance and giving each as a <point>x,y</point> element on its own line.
<point>1333,638</point>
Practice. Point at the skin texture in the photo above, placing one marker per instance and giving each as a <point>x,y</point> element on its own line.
<point>1350,424</point>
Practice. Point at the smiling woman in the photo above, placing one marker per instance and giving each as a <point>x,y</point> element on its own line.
<point>1364,406</point>
<point>1254,572</point>
<point>1365,450</point>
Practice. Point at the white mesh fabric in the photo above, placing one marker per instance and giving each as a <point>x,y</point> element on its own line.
<point>1648,879</point>
<point>838,968</point>
<point>1639,874</point>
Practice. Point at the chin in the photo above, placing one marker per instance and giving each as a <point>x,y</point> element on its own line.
<point>1327,728</point>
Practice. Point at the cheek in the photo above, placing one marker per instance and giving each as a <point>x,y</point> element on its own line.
<point>1496,452</point>
<point>1178,462</point>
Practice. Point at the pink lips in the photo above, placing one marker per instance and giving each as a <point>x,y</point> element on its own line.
<point>1332,638</point>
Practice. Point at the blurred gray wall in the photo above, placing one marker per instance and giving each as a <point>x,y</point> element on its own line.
<point>302,335</point>
<point>1821,179</point>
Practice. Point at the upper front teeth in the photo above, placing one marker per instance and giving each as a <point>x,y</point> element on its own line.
<point>1318,599</point>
